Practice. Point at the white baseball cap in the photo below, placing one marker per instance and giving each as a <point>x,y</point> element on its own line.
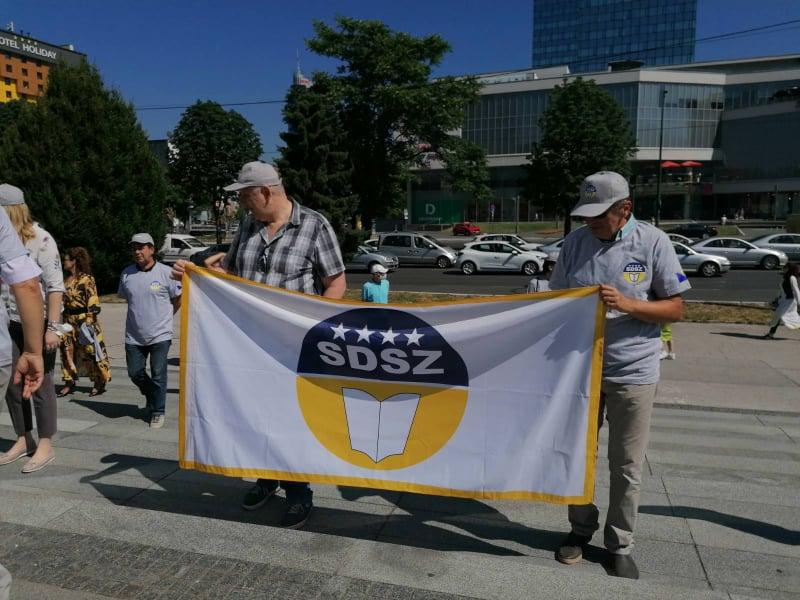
<point>378,268</point>
<point>255,174</point>
<point>11,195</point>
<point>599,192</point>
<point>143,238</point>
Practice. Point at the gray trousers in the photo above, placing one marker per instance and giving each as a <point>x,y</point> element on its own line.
<point>627,408</point>
<point>5,583</point>
<point>44,399</point>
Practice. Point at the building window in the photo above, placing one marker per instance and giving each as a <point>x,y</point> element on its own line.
<point>8,81</point>
<point>25,84</point>
<point>8,94</point>
<point>41,88</point>
<point>24,72</point>
<point>38,75</point>
<point>9,69</point>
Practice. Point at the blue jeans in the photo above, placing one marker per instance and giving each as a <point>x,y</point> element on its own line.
<point>154,386</point>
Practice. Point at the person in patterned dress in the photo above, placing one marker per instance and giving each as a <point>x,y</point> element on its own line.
<point>79,352</point>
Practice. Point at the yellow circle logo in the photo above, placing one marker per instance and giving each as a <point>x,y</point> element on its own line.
<point>380,388</point>
<point>634,273</point>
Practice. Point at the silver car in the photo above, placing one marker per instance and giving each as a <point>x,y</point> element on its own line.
<point>788,243</point>
<point>499,256</point>
<point>677,237</point>
<point>510,238</point>
<point>366,256</point>
<point>414,249</point>
<point>742,253</point>
<point>706,265</point>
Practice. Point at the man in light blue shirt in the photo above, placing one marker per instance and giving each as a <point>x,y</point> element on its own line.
<point>153,297</point>
<point>377,289</point>
<point>641,282</point>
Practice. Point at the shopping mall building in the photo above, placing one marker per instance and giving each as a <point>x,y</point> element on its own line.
<point>739,119</point>
<point>25,65</point>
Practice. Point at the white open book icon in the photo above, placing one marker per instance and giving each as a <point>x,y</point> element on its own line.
<point>379,428</point>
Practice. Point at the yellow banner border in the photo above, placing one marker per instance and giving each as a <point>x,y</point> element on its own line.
<point>399,486</point>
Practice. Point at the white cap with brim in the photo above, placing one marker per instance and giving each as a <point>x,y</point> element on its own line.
<point>143,238</point>
<point>255,174</point>
<point>11,195</point>
<point>599,192</point>
<point>379,269</point>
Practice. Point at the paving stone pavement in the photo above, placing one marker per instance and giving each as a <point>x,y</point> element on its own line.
<point>114,517</point>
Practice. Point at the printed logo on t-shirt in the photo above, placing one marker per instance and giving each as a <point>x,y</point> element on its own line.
<point>634,273</point>
<point>155,286</point>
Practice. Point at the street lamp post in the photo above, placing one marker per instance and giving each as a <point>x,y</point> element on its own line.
<point>516,223</point>
<point>660,149</point>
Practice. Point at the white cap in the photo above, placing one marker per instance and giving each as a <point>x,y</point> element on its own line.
<point>378,268</point>
<point>255,174</point>
<point>11,195</point>
<point>599,192</point>
<point>143,238</point>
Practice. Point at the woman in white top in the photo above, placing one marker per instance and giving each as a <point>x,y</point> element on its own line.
<point>44,252</point>
<point>786,311</point>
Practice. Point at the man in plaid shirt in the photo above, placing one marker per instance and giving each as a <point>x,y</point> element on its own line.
<point>282,244</point>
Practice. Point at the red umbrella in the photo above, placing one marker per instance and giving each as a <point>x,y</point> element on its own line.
<point>691,163</point>
<point>668,164</point>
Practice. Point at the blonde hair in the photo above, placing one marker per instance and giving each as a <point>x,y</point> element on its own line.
<point>21,219</point>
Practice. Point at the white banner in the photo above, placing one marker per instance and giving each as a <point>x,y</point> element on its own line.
<point>479,398</point>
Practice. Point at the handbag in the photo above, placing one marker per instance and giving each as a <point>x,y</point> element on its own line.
<point>85,335</point>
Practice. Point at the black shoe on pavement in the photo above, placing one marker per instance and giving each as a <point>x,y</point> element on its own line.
<point>258,495</point>
<point>571,549</point>
<point>623,565</point>
<point>296,515</point>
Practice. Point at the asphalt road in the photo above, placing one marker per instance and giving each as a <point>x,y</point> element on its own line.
<point>737,285</point>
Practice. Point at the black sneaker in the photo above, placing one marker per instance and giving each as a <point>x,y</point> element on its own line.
<point>622,565</point>
<point>571,549</point>
<point>258,495</point>
<point>296,515</point>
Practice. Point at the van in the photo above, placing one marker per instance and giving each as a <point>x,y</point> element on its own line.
<point>414,249</point>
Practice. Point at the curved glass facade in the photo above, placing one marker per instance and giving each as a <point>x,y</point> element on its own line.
<point>588,34</point>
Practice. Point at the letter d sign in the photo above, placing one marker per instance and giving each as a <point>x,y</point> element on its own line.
<point>430,209</point>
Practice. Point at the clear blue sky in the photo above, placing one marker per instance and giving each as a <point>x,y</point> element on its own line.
<point>173,52</point>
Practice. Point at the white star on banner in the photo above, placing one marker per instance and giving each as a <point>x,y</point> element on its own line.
<point>338,332</point>
<point>363,334</point>
<point>413,337</point>
<point>388,336</point>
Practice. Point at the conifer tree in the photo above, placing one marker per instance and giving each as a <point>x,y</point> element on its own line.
<point>89,177</point>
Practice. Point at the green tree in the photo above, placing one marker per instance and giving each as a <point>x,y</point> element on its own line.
<point>82,159</point>
<point>392,112</point>
<point>584,130</point>
<point>314,164</point>
<point>9,113</point>
<point>210,145</point>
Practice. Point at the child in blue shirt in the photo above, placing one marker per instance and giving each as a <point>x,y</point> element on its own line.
<point>377,289</point>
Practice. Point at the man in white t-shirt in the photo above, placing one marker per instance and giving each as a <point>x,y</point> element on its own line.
<point>153,297</point>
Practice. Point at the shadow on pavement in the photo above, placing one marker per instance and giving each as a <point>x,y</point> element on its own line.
<point>768,531</point>
<point>746,336</point>
<point>468,525</point>
<point>112,410</point>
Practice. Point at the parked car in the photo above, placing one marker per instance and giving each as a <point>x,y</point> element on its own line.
<point>180,245</point>
<point>366,256</point>
<point>465,228</point>
<point>372,243</point>
<point>788,243</point>
<point>510,238</point>
<point>677,237</point>
<point>706,265</point>
<point>414,249</point>
<point>552,250</point>
<point>742,253</point>
<point>499,256</point>
<point>695,231</point>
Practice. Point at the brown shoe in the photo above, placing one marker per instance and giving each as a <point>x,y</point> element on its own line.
<point>571,549</point>
<point>6,458</point>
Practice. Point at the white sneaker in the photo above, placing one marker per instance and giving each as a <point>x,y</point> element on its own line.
<point>663,355</point>
<point>670,356</point>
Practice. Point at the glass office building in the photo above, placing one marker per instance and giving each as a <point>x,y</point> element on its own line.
<point>734,118</point>
<point>586,35</point>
